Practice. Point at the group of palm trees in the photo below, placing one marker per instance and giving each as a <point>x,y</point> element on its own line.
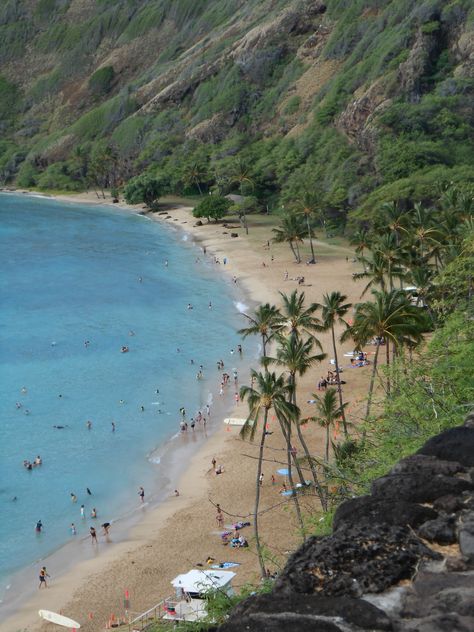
<point>407,247</point>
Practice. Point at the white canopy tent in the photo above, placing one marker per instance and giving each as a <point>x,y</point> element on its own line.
<point>201,582</point>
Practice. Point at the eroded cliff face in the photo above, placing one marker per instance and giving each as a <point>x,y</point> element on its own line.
<point>401,558</point>
<point>148,77</point>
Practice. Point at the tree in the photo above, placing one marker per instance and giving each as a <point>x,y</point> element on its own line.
<point>196,174</point>
<point>333,311</point>
<point>376,269</point>
<point>327,413</point>
<point>241,175</point>
<point>390,317</point>
<point>291,231</point>
<point>269,391</point>
<point>297,356</point>
<point>264,322</point>
<point>144,189</point>
<point>297,318</point>
<point>212,207</point>
<point>308,206</point>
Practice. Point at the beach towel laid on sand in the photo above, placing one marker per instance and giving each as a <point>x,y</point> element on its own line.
<point>225,565</point>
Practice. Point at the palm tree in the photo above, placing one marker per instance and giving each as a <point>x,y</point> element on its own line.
<point>361,240</point>
<point>292,232</point>
<point>390,317</point>
<point>297,356</point>
<point>241,175</point>
<point>195,174</point>
<point>307,206</point>
<point>327,413</point>
<point>387,246</point>
<point>333,311</point>
<point>296,318</point>
<point>269,391</point>
<point>376,270</point>
<point>395,219</point>
<point>264,322</point>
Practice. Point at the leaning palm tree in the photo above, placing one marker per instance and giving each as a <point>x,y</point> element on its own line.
<point>333,311</point>
<point>307,206</point>
<point>296,318</point>
<point>390,317</point>
<point>264,322</point>
<point>241,175</point>
<point>361,240</point>
<point>327,413</point>
<point>376,270</point>
<point>196,174</point>
<point>297,356</point>
<point>269,391</point>
<point>290,231</point>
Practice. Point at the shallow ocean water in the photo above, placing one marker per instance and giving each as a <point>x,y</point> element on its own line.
<point>71,274</point>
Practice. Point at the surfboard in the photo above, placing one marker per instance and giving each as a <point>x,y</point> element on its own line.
<point>59,619</point>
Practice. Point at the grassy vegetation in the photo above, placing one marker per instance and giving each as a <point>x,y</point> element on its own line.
<point>248,103</point>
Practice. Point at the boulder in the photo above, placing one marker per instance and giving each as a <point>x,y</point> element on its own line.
<point>354,560</point>
<point>265,608</point>
<point>421,487</point>
<point>466,535</point>
<point>441,530</point>
<point>448,503</point>
<point>376,510</point>
<point>234,235</point>
<point>425,463</point>
<point>455,444</point>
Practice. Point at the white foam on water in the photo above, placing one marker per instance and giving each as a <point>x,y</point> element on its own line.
<point>185,237</point>
<point>241,307</point>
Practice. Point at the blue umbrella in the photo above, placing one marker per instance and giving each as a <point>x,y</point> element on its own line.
<point>283,471</point>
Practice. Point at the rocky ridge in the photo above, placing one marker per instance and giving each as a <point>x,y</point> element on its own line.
<point>399,559</point>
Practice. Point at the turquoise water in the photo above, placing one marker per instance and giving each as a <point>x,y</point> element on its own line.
<point>71,274</point>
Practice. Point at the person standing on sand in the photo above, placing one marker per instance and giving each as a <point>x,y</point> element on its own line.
<point>214,463</point>
<point>93,533</point>
<point>42,578</point>
<point>219,516</point>
<point>141,493</point>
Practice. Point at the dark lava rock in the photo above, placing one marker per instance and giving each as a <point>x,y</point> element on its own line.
<point>455,444</point>
<point>234,235</point>
<point>441,530</point>
<point>440,593</point>
<point>279,623</point>
<point>420,487</point>
<point>263,608</point>
<point>198,223</point>
<point>353,561</point>
<point>376,510</point>
<point>438,623</point>
<point>424,463</point>
<point>449,503</point>
<point>466,535</point>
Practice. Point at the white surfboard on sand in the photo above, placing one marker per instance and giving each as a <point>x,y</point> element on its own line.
<point>59,619</point>
<point>235,421</point>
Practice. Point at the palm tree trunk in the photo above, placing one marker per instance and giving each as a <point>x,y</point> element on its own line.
<point>387,355</point>
<point>313,260</point>
<point>295,460</point>
<point>293,251</point>
<point>309,458</point>
<point>298,256</point>
<point>257,496</point>
<point>327,443</point>
<point>339,389</point>
<point>199,187</point>
<point>372,380</point>
<point>294,495</point>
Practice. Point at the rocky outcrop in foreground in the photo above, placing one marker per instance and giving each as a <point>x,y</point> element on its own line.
<point>399,559</point>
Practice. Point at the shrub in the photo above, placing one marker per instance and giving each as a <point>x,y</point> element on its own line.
<point>212,207</point>
<point>100,83</point>
<point>143,189</point>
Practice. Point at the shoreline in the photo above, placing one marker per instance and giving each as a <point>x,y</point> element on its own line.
<point>77,558</point>
<point>181,532</point>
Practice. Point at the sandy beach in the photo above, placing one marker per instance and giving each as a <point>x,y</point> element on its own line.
<point>182,531</point>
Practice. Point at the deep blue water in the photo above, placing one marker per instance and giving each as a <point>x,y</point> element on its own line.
<point>71,273</point>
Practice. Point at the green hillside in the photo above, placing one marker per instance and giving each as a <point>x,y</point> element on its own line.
<point>354,101</point>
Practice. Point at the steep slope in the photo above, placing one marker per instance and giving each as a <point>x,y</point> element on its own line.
<point>356,101</point>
